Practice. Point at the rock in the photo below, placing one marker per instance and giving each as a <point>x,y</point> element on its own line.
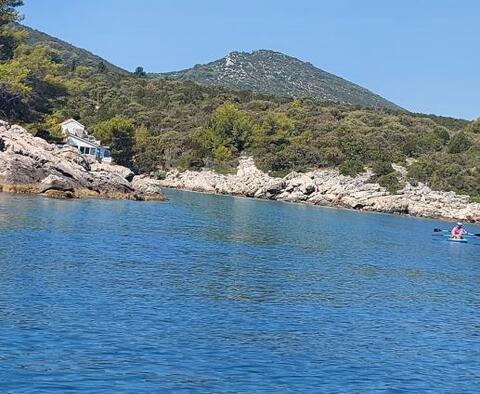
<point>31,165</point>
<point>54,182</point>
<point>328,188</point>
<point>73,155</point>
<point>124,172</point>
<point>146,185</point>
<point>275,186</point>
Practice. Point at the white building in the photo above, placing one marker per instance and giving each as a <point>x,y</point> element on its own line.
<point>76,136</point>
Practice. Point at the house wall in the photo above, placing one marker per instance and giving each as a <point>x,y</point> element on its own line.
<point>74,128</point>
<point>87,148</point>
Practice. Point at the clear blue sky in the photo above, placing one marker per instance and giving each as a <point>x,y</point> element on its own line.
<point>422,54</point>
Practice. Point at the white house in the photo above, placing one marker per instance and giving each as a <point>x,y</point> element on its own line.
<point>76,136</point>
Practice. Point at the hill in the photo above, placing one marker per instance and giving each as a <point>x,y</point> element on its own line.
<point>262,71</point>
<point>69,53</point>
<point>158,123</point>
<point>275,73</point>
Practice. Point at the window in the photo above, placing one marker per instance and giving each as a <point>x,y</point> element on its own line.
<point>93,151</point>
<point>82,149</point>
<point>107,153</point>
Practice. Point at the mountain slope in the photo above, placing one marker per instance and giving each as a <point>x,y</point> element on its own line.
<point>262,71</point>
<point>270,72</point>
<point>68,52</point>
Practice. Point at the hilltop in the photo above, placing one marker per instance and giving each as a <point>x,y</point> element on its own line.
<point>270,72</point>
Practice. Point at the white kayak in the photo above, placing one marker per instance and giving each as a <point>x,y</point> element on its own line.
<point>461,240</point>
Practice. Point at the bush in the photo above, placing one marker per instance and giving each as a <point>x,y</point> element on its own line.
<point>390,182</point>
<point>222,154</point>
<point>382,168</point>
<point>225,168</point>
<point>442,133</point>
<point>474,127</point>
<point>351,168</point>
<point>118,133</point>
<point>420,171</point>
<point>189,160</point>
<point>459,143</point>
<point>159,175</point>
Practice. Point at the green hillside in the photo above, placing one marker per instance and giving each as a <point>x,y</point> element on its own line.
<point>69,54</point>
<point>275,73</point>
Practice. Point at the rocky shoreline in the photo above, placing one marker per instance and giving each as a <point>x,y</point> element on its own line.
<point>31,165</point>
<point>326,187</point>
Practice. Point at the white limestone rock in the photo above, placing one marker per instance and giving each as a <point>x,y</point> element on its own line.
<point>329,188</point>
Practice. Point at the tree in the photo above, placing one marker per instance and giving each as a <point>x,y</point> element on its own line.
<point>13,88</point>
<point>157,152</point>
<point>139,72</point>
<point>8,12</point>
<point>9,36</point>
<point>459,143</point>
<point>101,68</point>
<point>74,65</point>
<point>474,127</point>
<point>351,167</point>
<point>276,129</point>
<point>228,127</point>
<point>118,133</point>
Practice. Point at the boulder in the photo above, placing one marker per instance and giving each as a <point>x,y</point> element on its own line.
<point>74,156</point>
<point>30,164</point>
<point>146,185</point>
<point>124,172</point>
<point>54,182</point>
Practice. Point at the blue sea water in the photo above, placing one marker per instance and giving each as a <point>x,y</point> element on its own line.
<point>229,295</point>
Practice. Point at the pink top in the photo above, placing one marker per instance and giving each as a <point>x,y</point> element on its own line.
<point>458,231</point>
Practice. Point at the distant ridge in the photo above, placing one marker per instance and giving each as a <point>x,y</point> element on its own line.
<point>68,52</point>
<point>270,72</point>
<point>262,71</point>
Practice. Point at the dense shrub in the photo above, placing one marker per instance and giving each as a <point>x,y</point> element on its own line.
<point>390,182</point>
<point>381,168</point>
<point>351,167</point>
<point>474,127</point>
<point>459,143</point>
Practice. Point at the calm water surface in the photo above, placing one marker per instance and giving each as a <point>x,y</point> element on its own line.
<point>219,294</point>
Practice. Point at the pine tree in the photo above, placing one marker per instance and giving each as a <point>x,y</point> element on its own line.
<point>140,72</point>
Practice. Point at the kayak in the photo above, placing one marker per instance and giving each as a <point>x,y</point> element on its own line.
<point>461,240</point>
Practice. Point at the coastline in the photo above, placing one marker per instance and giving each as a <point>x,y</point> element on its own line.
<point>327,188</point>
<point>30,165</point>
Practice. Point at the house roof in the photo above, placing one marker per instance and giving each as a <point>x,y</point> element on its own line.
<point>71,120</point>
<point>96,144</point>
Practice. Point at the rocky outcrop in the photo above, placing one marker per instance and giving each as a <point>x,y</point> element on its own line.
<point>327,187</point>
<point>31,165</point>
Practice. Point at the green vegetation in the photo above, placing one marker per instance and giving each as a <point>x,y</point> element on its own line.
<point>351,167</point>
<point>118,134</point>
<point>155,123</point>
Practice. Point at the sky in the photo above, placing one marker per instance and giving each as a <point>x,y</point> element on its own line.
<point>424,55</point>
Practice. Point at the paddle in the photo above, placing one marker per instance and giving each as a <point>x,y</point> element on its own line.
<point>439,230</point>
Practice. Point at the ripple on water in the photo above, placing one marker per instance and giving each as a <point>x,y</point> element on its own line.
<point>217,294</point>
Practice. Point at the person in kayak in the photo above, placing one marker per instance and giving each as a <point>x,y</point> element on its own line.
<point>458,231</point>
